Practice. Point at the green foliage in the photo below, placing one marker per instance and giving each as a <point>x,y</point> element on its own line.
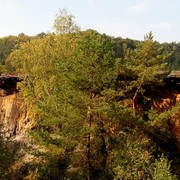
<point>79,96</point>
<point>64,23</point>
<point>174,60</point>
<point>93,63</point>
<point>6,46</point>
<point>60,103</point>
<point>134,159</point>
<point>91,70</point>
<point>130,155</point>
<point>8,151</point>
<point>141,67</point>
<point>32,61</point>
<point>162,170</point>
<point>9,44</point>
<point>147,61</point>
<point>121,43</point>
<point>52,164</point>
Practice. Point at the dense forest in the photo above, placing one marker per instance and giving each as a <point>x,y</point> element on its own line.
<point>89,97</point>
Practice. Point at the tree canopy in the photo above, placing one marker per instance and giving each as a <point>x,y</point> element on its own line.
<point>87,95</point>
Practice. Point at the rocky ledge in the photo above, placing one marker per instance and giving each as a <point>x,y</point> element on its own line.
<point>173,79</point>
<point>8,84</point>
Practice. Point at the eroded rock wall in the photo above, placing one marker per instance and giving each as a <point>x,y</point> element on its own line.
<point>12,117</point>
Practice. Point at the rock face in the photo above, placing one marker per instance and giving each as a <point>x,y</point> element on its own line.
<point>173,78</point>
<point>8,84</point>
<point>13,119</point>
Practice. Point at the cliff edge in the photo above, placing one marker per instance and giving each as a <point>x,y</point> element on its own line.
<point>12,117</point>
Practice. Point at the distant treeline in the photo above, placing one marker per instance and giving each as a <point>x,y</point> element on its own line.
<point>10,43</point>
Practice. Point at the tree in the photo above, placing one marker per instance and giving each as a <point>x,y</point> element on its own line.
<point>90,72</point>
<point>7,45</point>
<point>135,160</point>
<point>77,96</point>
<point>174,60</point>
<point>145,64</point>
<point>64,23</point>
<point>64,82</point>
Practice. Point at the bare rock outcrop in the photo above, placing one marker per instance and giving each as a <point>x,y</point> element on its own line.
<point>13,118</point>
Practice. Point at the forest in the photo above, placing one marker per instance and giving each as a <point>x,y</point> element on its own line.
<point>91,99</point>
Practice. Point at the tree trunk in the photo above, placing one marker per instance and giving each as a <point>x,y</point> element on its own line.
<point>103,152</point>
<point>135,98</point>
<point>89,122</point>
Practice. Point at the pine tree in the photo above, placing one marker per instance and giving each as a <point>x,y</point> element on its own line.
<point>143,66</point>
<point>91,71</point>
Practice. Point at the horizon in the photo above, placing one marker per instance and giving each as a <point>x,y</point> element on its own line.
<point>132,19</point>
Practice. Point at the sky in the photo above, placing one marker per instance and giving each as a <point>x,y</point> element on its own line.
<point>119,18</point>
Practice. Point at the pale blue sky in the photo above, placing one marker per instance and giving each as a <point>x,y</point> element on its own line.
<point>123,18</point>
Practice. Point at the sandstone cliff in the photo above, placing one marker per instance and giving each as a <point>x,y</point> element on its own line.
<point>13,118</point>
